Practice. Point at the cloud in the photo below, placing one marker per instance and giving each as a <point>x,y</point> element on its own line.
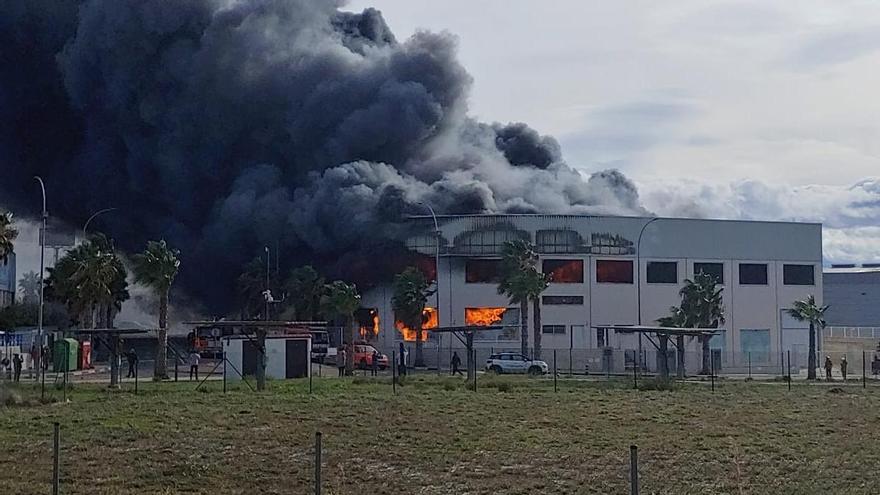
<point>849,214</point>
<point>837,47</point>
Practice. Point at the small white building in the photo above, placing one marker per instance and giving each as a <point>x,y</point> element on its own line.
<point>619,270</point>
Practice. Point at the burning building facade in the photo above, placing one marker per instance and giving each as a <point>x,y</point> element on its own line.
<point>606,270</point>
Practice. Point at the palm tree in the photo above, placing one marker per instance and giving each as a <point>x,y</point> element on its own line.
<point>807,310</point>
<point>90,280</point>
<point>411,293</point>
<point>339,303</point>
<point>518,259</point>
<point>29,286</point>
<point>538,283</point>
<point>521,282</point>
<point>156,268</point>
<point>8,234</point>
<point>305,286</point>
<point>701,307</point>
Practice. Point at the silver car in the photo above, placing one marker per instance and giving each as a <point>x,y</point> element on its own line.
<point>512,362</point>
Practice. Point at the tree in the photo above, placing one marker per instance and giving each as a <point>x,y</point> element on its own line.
<point>156,268</point>
<point>90,280</point>
<point>521,282</point>
<point>701,307</point>
<point>304,287</point>
<point>252,289</point>
<point>411,292</point>
<point>339,302</point>
<point>807,310</point>
<point>8,234</point>
<point>29,286</point>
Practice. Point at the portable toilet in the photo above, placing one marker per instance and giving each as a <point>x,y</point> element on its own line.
<point>65,353</point>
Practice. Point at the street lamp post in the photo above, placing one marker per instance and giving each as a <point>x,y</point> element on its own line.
<point>45,217</point>
<point>268,289</point>
<point>639,284</point>
<point>99,212</point>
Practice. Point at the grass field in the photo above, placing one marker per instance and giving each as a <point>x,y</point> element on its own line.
<point>514,435</point>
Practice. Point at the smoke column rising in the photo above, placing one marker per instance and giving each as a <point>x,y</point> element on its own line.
<point>224,126</point>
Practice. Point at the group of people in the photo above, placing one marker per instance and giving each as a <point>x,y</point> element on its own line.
<point>193,360</point>
<point>17,363</point>
<point>829,366</point>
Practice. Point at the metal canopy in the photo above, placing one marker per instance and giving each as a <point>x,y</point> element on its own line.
<point>467,328</point>
<point>668,331</point>
<point>255,323</point>
<point>110,331</point>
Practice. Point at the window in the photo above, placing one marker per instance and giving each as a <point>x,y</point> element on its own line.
<point>553,329</point>
<point>714,269</point>
<point>662,272</point>
<point>752,274</point>
<point>554,300</point>
<point>614,272</point>
<point>755,344</point>
<point>478,271</point>
<point>798,275</point>
<point>564,271</point>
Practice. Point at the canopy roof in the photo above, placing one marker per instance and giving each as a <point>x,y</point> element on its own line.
<point>687,332</point>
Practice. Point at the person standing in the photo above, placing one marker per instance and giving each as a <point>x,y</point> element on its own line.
<point>374,364</point>
<point>16,366</point>
<point>340,362</point>
<point>843,365</point>
<point>132,358</point>
<point>194,359</point>
<point>828,367</point>
<point>455,363</point>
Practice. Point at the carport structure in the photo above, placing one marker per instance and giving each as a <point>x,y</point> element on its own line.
<point>111,338</point>
<point>662,336</point>
<point>465,334</point>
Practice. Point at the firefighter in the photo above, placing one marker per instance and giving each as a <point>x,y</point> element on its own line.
<point>340,361</point>
<point>843,364</point>
<point>132,358</point>
<point>374,365</point>
<point>16,366</point>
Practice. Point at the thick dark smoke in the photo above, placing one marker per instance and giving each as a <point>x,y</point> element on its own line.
<point>225,126</point>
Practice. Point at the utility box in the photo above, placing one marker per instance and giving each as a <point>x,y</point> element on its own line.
<point>286,357</point>
<point>65,353</point>
<point>85,355</point>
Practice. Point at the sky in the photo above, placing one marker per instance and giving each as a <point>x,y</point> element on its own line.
<point>753,110</point>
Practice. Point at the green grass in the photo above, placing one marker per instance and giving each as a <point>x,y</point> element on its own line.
<point>513,436</point>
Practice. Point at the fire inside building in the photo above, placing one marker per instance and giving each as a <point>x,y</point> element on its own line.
<point>610,271</point>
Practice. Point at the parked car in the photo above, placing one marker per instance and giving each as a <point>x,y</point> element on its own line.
<point>512,362</point>
<point>363,357</point>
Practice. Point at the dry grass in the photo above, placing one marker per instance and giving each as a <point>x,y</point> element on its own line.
<point>513,436</point>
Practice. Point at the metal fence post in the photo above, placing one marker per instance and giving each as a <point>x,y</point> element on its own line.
<point>555,387</point>
<point>317,463</point>
<point>176,362</point>
<point>66,367</point>
<point>474,360</point>
<point>56,458</point>
<point>633,470</point>
<point>394,372</point>
<point>224,369</point>
<point>635,376</point>
<point>712,365</point>
<point>438,360</point>
<point>136,373</point>
<point>788,353</point>
<point>864,376</point>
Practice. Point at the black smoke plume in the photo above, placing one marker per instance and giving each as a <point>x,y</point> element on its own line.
<point>224,126</point>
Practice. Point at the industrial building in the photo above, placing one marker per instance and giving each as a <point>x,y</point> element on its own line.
<point>852,293</point>
<point>7,281</point>
<point>614,271</point>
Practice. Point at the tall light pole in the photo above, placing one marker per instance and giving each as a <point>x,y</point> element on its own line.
<point>438,234</point>
<point>45,216</point>
<point>86,225</point>
<point>268,290</point>
<point>639,284</point>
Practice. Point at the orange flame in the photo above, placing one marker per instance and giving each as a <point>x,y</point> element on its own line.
<point>429,317</point>
<point>365,331</point>
<point>483,316</point>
